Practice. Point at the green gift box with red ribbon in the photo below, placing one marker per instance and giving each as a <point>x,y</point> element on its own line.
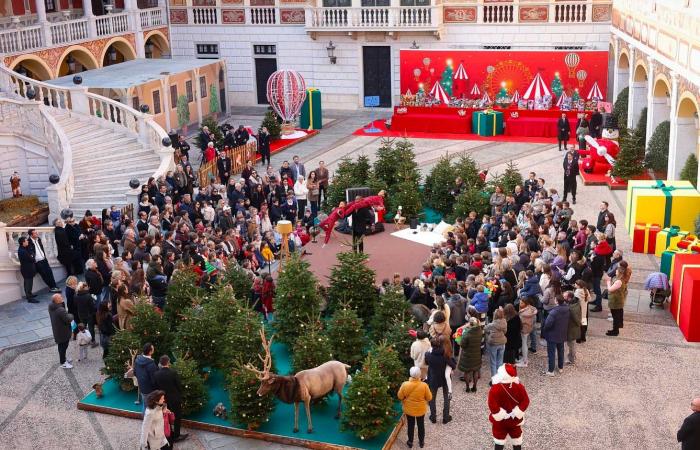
<point>667,203</point>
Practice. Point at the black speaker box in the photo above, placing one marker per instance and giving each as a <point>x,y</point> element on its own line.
<point>351,193</point>
<point>414,223</point>
<point>609,121</point>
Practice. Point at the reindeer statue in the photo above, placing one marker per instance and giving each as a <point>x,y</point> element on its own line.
<point>130,374</point>
<point>304,386</point>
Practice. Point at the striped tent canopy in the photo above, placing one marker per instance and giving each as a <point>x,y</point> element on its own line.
<point>475,92</point>
<point>408,93</point>
<point>439,93</point>
<point>595,93</point>
<point>461,73</point>
<point>486,97</point>
<point>562,99</point>
<point>516,97</point>
<point>537,89</point>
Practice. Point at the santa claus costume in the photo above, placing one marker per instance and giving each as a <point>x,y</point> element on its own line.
<point>507,401</point>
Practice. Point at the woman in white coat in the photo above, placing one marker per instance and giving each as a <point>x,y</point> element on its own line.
<point>153,427</point>
<point>300,193</point>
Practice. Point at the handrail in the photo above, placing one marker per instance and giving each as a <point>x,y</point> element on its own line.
<point>60,194</point>
<point>20,86</point>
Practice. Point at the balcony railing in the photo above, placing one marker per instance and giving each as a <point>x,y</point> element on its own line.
<point>152,17</point>
<point>112,24</point>
<point>27,38</point>
<point>385,18</point>
<point>70,31</point>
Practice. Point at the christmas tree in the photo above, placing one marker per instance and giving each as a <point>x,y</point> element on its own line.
<point>272,125</point>
<point>194,394</point>
<point>199,336</point>
<point>348,174</point>
<point>385,358</point>
<point>472,200</point>
<point>510,178</point>
<point>239,280</point>
<point>639,134</point>
<point>467,168</point>
<point>182,293</point>
<point>397,335</point>
<point>620,108</point>
<point>347,337</point>
<point>575,96</point>
<point>446,80</point>
<point>120,353</point>
<point>439,184</point>
<point>213,126</point>
<point>213,99</point>
<point>352,282</point>
<point>628,163</point>
<point>312,348</point>
<point>222,305</point>
<point>369,406</point>
<point>241,342</point>
<point>557,87</point>
<point>657,151</point>
<point>247,407</point>
<point>389,306</point>
<point>150,326</point>
<point>297,299</point>
<point>690,170</point>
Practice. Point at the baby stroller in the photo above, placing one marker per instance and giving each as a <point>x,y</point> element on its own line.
<point>659,290</point>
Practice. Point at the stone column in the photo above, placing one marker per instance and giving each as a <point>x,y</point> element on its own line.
<point>675,164</point>
<point>630,101</point>
<point>44,22</point>
<point>650,99</point>
<point>165,86</point>
<point>197,95</point>
<point>90,16</point>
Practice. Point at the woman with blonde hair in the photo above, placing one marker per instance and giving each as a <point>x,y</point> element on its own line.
<point>126,309</point>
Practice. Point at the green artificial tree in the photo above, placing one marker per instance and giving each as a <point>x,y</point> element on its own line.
<point>311,348</point>
<point>386,163</point>
<point>199,336</point>
<point>347,336</point>
<point>390,306</point>
<point>183,293</point>
<point>214,106</point>
<point>556,86</point>
<point>213,126</point>
<point>628,163</point>
<point>123,343</point>
<point>620,108</point>
<point>467,168</point>
<point>352,282</point>
<point>639,134</point>
<point>438,185</point>
<point>362,170</point>
<point>348,174</point>
<point>369,406</point>
<point>575,96</point>
<point>385,358</point>
<point>239,280</point>
<point>273,126</point>
<point>297,299</point>
<point>657,151</point>
<point>247,407</point>
<point>241,339</point>
<point>472,200</point>
<point>407,195</point>
<point>149,325</point>
<point>194,393</point>
<point>510,178</point>
<point>397,334</point>
<point>183,112</point>
<point>690,170</point>
<point>446,80</point>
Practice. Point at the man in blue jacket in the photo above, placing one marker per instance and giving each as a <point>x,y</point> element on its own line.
<point>144,371</point>
<point>554,332</point>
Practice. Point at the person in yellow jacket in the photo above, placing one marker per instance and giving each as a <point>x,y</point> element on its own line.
<point>415,395</point>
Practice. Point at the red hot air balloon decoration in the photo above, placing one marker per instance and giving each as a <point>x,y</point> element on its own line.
<point>286,92</point>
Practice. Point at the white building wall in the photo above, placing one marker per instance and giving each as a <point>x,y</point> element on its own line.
<point>341,83</point>
<point>30,160</point>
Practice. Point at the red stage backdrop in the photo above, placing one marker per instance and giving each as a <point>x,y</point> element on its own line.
<point>490,68</point>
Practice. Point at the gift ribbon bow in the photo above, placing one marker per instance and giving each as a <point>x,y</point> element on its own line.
<point>667,191</point>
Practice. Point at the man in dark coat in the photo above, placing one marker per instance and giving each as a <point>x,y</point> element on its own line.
<point>555,332</point>
<point>361,221</point>
<point>596,124</point>
<point>65,250</point>
<point>571,171</point>
<point>60,326</point>
<point>689,433</point>
<point>41,260</point>
<point>204,138</point>
<point>437,363</point>
<point>144,371</point>
<point>75,235</point>
<point>27,268</point>
<point>264,145</point>
<point>168,380</point>
<point>563,131</point>
<point>224,167</point>
<point>241,136</point>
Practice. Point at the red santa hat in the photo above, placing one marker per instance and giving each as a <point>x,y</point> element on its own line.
<point>506,374</point>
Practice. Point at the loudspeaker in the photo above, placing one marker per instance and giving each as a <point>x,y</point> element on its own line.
<point>609,121</point>
<point>351,193</point>
<point>414,223</point>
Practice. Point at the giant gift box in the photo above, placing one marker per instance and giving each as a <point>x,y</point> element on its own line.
<point>668,238</point>
<point>664,202</point>
<point>644,237</point>
<point>685,297</point>
<point>690,242</point>
<point>668,261</point>
<point>487,123</point>
<point>311,117</point>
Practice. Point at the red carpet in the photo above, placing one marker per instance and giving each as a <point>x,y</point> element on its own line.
<point>283,144</point>
<point>600,179</point>
<point>387,254</point>
<point>460,137</point>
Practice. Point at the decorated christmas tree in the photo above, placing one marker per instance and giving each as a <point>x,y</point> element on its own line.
<point>446,80</point>
<point>510,178</point>
<point>312,348</point>
<point>182,294</point>
<point>296,300</point>
<point>247,407</point>
<point>556,86</point>
<point>347,336</point>
<point>150,326</point>
<point>472,200</point>
<point>439,184</point>
<point>120,353</point>
<point>628,163</point>
<point>575,96</point>
<point>385,358</point>
<point>199,336</point>
<point>467,168</point>
<point>352,282</point>
<point>213,126</point>
<point>397,336</point>
<point>620,108</point>
<point>389,306</point>
<point>241,342</point>
<point>239,280</point>
<point>272,125</point>
<point>369,406</point>
<point>194,394</point>
<point>222,305</point>
<point>657,151</point>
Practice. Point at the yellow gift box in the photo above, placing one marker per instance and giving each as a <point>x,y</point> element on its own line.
<point>668,238</point>
<point>664,202</point>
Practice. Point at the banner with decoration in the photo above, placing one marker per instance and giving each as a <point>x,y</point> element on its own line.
<point>494,71</point>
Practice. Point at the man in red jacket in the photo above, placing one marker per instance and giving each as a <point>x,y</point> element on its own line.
<point>507,402</point>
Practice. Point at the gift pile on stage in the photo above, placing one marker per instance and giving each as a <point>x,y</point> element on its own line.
<point>660,217</point>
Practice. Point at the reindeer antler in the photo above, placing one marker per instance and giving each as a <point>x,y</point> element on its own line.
<point>133,353</point>
<point>267,360</point>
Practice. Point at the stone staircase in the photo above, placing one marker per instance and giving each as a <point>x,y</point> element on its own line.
<point>105,158</point>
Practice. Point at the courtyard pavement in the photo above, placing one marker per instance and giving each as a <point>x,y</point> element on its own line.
<point>627,392</point>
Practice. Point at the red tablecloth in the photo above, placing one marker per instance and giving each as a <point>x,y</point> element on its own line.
<point>536,126</point>
<point>432,123</point>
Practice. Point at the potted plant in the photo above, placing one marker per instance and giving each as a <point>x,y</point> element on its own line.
<point>214,107</point>
<point>183,113</point>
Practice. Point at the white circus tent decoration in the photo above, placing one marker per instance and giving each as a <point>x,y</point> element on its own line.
<point>461,73</point>
<point>537,89</point>
<point>516,97</point>
<point>486,98</point>
<point>438,92</point>
<point>595,92</point>
<point>475,92</point>
<point>562,99</point>
<point>460,86</point>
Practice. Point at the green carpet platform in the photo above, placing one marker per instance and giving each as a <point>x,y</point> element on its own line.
<point>326,435</point>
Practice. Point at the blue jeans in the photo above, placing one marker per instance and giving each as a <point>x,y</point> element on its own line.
<point>596,290</point>
<point>551,349</point>
<point>495,356</point>
<point>533,338</point>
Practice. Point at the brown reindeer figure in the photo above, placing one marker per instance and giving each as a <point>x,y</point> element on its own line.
<point>304,386</point>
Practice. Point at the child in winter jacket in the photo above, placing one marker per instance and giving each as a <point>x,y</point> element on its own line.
<point>267,295</point>
<point>84,338</point>
<point>480,300</point>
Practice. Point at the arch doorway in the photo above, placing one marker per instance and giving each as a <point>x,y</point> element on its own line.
<point>75,61</point>
<point>156,46</point>
<point>660,108</point>
<point>117,52</point>
<point>687,133</point>
<point>623,73</point>
<point>638,95</point>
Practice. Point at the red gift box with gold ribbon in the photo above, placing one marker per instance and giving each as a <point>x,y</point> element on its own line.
<point>685,297</point>
<point>690,242</point>
<point>644,237</point>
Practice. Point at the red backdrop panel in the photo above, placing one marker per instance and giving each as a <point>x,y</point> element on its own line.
<point>489,68</point>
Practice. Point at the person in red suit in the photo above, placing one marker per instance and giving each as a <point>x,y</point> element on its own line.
<point>507,402</point>
<point>344,210</point>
